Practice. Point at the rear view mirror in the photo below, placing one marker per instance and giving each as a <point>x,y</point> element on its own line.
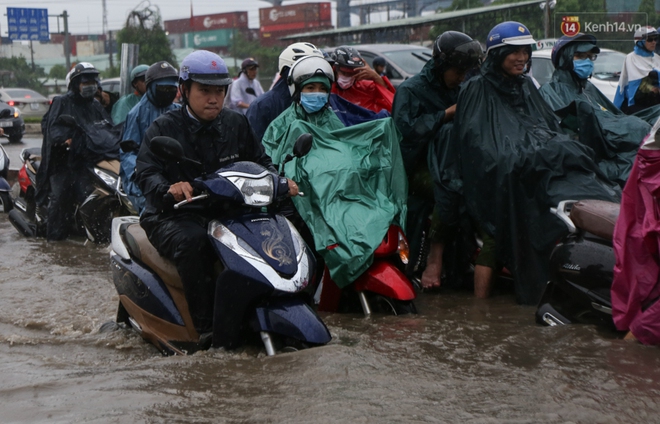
<point>67,120</point>
<point>250,90</point>
<point>303,145</point>
<point>5,113</point>
<point>167,148</point>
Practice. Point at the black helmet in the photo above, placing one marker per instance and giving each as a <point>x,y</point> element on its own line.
<point>160,70</point>
<point>347,57</point>
<point>457,50</point>
<point>75,76</point>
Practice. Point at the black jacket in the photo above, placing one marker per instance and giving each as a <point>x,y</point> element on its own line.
<point>226,140</point>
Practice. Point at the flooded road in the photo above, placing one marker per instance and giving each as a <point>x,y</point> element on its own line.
<point>459,360</point>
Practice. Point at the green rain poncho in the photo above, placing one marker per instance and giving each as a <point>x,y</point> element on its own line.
<point>613,135</point>
<point>123,106</point>
<point>354,184</point>
<point>516,164</point>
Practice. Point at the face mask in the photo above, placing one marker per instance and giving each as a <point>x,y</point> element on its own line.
<point>88,91</point>
<point>163,95</point>
<point>345,82</point>
<point>313,102</point>
<point>583,68</point>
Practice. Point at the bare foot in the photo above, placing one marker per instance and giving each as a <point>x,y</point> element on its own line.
<point>431,277</point>
<point>630,337</point>
<point>483,279</point>
<point>431,274</point>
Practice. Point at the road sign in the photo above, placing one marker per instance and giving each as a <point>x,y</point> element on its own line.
<point>27,24</point>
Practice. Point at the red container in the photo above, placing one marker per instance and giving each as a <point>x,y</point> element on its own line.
<point>207,22</point>
<point>318,14</point>
<point>272,38</point>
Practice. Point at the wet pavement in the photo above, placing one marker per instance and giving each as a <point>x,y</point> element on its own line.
<point>460,360</point>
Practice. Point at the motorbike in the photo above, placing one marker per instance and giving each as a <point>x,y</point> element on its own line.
<point>105,198</point>
<point>581,266</point>
<point>383,287</point>
<point>265,288</point>
<point>5,198</point>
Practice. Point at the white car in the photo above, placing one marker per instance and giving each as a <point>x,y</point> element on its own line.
<point>607,69</point>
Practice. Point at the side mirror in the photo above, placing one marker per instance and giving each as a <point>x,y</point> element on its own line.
<point>167,148</point>
<point>303,145</point>
<point>250,90</point>
<point>67,120</point>
<point>5,113</point>
<point>129,146</point>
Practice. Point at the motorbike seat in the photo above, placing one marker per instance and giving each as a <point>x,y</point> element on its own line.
<point>109,165</point>
<point>596,217</point>
<point>145,252</point>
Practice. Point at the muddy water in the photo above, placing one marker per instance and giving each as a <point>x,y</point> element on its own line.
<point>460,360</point>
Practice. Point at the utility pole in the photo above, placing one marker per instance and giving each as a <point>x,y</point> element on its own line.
<point>109,47</point>
<point>105,18</point>
<point>67,48</point>
<point>32,55</point>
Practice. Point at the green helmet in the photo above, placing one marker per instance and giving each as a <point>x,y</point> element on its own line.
<point>138,72</point>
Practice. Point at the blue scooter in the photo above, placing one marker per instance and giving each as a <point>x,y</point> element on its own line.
<point>267,282</point>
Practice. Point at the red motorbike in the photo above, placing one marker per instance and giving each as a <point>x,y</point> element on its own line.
<point>383,287</point>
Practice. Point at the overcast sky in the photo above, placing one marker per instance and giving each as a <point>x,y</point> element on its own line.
<point>86,16</point>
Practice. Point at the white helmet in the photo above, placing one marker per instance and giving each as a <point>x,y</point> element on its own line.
<point>643,33</point>
<point>306,68</point>
<point>296,51</point>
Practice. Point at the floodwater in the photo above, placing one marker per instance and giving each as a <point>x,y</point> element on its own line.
<point>459,360</point>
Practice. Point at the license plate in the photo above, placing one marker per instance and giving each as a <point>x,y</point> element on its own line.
<point>4,124</point>
<point>34,106</point>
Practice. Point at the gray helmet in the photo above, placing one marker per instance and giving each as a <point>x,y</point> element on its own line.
<point>160,70</point>
<point>306,68</point>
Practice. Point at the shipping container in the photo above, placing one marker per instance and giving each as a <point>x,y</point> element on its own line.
<point>272,37</point>
<point>207,22</point>
<point>216,38</point>
<point>89,48</point>
<point>313,13</point>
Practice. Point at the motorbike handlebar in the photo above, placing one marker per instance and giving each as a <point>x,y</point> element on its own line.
<point>195,198</point>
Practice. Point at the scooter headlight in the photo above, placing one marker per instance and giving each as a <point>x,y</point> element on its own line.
<point>17,112</point>
<point>403,249</point>
<point>257,191</point>
<point>109,179</point>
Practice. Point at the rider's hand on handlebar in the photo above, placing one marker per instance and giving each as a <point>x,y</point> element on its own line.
<point>181,191</point>
<point>293,188</point>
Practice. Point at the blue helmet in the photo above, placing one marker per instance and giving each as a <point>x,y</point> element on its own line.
<point>204,67</point>
<point>566,40</point>
<point>509,33</point>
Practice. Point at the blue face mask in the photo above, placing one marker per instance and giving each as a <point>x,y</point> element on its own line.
<point>313,102</point>
<point>583,68</point>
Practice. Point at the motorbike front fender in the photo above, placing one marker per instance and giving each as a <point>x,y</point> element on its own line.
<point>292,318</point>
<point>4,185</point>
<point>385,279</point>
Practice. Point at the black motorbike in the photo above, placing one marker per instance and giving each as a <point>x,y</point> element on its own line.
<point>104,198</point>
<point>581,266</point>
<point>266,285</point>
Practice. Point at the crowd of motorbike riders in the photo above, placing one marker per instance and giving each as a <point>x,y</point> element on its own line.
<point>484,151</point>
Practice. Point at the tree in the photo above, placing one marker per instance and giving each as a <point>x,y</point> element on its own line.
<point>143,27</point>
<point>58,72</point>
<point>16,72</point>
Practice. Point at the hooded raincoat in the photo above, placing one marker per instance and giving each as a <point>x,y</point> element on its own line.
<point>636,285</point>
<point>613,135</point>
<point>266,108</point>
<point>368,94</point>
<point>636,67</point>
<point>353,180</point>
<point>123,106</point>
<point>137,122</point>
<point>516,165</point>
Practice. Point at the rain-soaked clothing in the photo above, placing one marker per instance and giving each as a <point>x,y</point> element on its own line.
<point>636,68</point>
<point>137,122</point>
<point>124,105</point>
<point>180,235</point>
<point>613,135</point>
<point>516,164</point>
<point>266,108</point>
<point>62,166</point>
<point>636,285</point>
<point>368,94</point>
<point>244,90</point>
<point>353,180</point>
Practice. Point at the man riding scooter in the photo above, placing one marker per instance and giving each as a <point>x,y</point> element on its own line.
<point>215,137</point>
<point>60,185</point>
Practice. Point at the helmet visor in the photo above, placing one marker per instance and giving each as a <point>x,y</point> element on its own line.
<point>211,79</point>
<point>466,56</point>
<point>319,72</point>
